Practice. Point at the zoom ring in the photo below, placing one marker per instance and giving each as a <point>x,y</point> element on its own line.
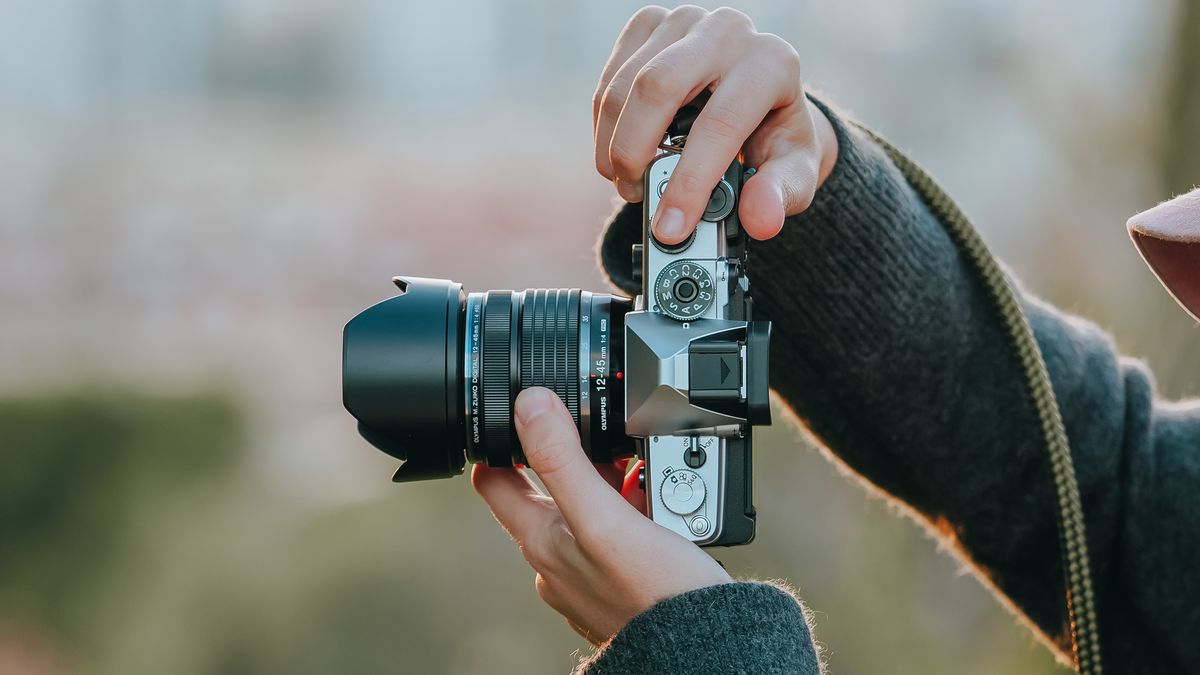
<point>497,381</point>
<point>550,344</point>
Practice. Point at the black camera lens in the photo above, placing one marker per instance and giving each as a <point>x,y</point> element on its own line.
<point>431,374</point>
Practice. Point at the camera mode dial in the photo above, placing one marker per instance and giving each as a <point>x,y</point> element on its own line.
<point>682,491</point>
<point>684,290</point>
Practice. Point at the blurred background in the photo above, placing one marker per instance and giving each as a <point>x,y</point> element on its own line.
<point>195,195</point>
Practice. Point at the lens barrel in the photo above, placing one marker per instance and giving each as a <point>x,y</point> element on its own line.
<point>432,374</point>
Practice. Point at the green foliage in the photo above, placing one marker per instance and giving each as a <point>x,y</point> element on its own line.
<point>75,473</point>
<point>1181,132</point>
<point>129,546</point>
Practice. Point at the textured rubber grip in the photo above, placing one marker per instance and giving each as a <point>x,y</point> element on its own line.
<point>496,376</point>
<point>550,343</point>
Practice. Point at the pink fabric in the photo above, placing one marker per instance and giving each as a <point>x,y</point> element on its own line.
<point>1168,237</point>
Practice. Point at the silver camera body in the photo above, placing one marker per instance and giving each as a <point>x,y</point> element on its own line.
<point>696,367</point>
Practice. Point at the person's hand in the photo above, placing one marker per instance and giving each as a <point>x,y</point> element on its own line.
<point>599,561</point>
<point>662,60</point>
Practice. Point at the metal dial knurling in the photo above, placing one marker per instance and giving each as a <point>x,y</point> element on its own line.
<point>664,295</point>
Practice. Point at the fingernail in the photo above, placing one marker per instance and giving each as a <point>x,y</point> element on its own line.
<point>531,403</point>
<point>670,227</point>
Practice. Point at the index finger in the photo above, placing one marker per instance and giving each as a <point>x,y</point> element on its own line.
<point>516,503</point>
<point>732,113</point>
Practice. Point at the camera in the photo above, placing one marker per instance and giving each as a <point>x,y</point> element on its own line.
<point>677,377</point>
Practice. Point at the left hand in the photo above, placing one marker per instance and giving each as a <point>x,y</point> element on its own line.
<point>599,561</point>
<point>661,61</point>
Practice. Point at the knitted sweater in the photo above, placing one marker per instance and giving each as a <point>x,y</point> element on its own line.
<point>887,348</point>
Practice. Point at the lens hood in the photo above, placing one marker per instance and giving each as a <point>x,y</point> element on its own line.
<point>400,363</point>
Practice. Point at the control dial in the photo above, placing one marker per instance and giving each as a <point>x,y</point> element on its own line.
<point>720,203</point>
<point>682,491</point>
<point>684,290</point>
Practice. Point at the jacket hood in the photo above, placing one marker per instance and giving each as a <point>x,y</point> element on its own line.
<point>1168,237</point>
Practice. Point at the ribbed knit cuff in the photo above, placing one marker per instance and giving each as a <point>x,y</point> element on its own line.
<point>743,627</point>
<point>621,232</point>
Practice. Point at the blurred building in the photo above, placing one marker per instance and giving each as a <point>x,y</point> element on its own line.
<point>198,194</point>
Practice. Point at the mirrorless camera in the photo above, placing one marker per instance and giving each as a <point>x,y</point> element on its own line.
<point>678,376</point>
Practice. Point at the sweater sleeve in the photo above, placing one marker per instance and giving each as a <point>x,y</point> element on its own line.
<point>886,346</point>
<point>744,627</point>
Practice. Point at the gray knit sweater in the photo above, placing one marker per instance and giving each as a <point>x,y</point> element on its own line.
<point>894,359</point>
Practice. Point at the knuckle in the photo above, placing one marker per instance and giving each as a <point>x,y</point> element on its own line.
<point>721,120</point>
<point>686,183</point>
<point>781,52</point>
<point>655,80</point>
<point>550,592</point>
<point>551,455</point>
<point>560,537</point>
<point>624,160</point>
<point>539,557</point>
<point>542,548</point>
<point>732,18</point>
<point>647,17</point>
<point>603,166</point>
<point>544,591</point>
<point>612,99</point>
<point>687,14</point>
<point>687,10</point>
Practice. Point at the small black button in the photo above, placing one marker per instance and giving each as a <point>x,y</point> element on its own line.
<point>695,457</point>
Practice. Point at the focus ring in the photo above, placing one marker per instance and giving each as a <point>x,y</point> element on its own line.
<point>570,373</point>
<point>561,364</point>
<point>550,343</point>
<point>497,383</point>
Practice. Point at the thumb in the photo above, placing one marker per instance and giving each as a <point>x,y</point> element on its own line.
<point>551,445</point>
<point>782,187</point>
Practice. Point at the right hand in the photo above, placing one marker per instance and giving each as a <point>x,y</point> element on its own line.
<point>599,561</point>
<point>661,61</point>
